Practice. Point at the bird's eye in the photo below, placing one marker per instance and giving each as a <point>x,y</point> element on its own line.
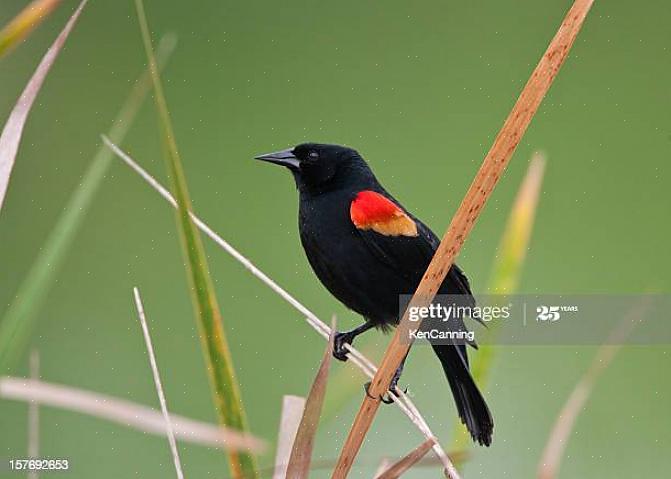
<point>313,155</point>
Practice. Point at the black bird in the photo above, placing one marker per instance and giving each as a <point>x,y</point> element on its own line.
<point>367,250</point>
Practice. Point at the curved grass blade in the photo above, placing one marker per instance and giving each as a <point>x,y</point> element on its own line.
<point>301,453</point>
<point>24,23</point>
<point>226,392</point>
<point>11,134</point>
<point>18,321</point>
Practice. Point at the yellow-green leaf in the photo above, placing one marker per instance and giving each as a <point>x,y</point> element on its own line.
<point>225,388</point>
<point>508,267</point>
<point>24,23</point>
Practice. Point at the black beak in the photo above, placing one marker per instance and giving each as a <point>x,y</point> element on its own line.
<point>284,158</point>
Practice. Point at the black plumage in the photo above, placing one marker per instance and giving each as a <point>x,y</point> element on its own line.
<point>367,266</point>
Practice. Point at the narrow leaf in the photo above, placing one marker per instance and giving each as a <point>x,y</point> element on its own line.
<point>157,382</point>
<point>19,320</point>
<point>125,413</point>
<point>226,392</point>
<point>515,240</point>
<point>11,134</point>
<point>292,412</point>
<point>301,453</point>
<point>408,461</point>
<point>512,252</point>
<point>24,23</point>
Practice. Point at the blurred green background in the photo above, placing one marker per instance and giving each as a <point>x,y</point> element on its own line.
<point>420,89</point>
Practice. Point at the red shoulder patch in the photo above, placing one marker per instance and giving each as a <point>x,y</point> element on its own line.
<point>373,211</point>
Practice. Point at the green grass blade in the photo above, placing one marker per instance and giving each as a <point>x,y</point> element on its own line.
<point>25,22</point>
<point>18,322</point>
<point>512,252</point>
<point>507,268</point>
<point>225,388</point>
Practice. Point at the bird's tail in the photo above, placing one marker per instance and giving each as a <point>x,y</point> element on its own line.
<point>471,406</point>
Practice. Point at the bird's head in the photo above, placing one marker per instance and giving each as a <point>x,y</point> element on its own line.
<point>319,167</point>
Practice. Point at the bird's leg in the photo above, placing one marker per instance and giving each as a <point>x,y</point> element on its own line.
<point>397,375</point>
<point>392,385</point>
<point>346,337</point>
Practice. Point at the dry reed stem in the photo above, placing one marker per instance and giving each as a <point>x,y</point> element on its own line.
<point>292,412</point>
<point>355,357</point>
<point>157,382</point>
<point>126,413</point>
<point>301,451</point>
<point>506,273</point>
<point>491,170</point>
<point>405,463</point>
<point>548,466</point>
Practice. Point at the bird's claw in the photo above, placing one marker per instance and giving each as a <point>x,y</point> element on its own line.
<point>385,398</point>
<point>340,341</point>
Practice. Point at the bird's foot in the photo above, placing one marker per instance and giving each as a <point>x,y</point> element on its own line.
<point>340,340</point>
<point>393,389</point>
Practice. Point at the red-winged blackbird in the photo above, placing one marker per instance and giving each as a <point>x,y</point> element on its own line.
<point>367,250</point>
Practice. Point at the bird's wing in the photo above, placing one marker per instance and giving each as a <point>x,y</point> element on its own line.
<point>391,234</point>
<point>399,240</point>
<point>402,242</point>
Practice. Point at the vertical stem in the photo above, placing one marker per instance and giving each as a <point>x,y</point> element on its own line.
<point>490,172</point>
<point>157,383</point>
